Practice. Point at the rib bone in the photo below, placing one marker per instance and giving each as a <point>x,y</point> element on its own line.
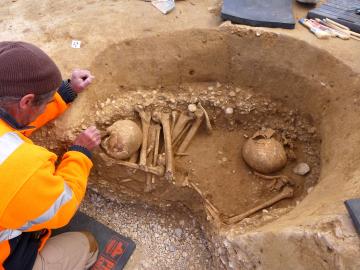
<point>199,114</point>
<point>287,192</point>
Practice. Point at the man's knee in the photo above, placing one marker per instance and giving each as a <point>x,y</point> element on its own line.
<point>92,241</point>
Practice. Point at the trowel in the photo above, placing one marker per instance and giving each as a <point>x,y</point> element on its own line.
<point>165,6</point>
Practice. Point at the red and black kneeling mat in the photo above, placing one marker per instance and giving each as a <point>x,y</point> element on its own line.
<point>114,249</point>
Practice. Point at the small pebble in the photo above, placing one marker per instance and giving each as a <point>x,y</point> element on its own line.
<point>178,232</point>
<point>192,107</point>
<point>172,248</point>
<point>301,169</point>
<point>229,110</point>
<point>232,94</point>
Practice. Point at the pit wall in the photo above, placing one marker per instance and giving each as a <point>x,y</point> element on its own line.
<point>318,233</point>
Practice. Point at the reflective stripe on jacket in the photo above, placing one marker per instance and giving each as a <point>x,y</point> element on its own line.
<point>34,194</point>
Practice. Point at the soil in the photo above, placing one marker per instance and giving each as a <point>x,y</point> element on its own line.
<point>166,237</point>
<point>214,161</point>
<point>287,80</point>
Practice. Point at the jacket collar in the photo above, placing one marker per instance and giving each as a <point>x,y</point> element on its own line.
<point>12,122</point>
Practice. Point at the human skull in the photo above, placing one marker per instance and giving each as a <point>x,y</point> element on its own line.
<point>264,153</point>
<point>125,138</point>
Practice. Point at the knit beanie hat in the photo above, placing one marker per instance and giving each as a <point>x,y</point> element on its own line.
<point>26,69</point>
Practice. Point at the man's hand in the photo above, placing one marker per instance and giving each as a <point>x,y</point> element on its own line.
<point>90,138</point>
<point>80,79</point>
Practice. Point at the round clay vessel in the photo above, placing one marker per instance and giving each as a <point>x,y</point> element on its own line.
<point>263,153</point>
<point>125,138</point>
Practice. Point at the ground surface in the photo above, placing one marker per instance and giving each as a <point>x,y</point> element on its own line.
<point>98,24</point>
<point>166,238</point>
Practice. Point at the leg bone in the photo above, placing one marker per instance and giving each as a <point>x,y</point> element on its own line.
<point>181,123</point>
<point>194,128</point>
<point>287,192</point>
<point>145,123</point>
<point>164,118</point>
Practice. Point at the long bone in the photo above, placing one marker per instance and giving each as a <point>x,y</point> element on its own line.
<point>145,123</point>
<point>181,123</point>
<point>164,119</point>
<point>287,192</point>
<point>181,136</point>
<point>133,159</point>
<point>156,170</point>
<point>207,119</point>
<point>209,206</point>
<point>199,114</point>
<point>277,181</point>
<point>156,151</point>
<point>174,116</point>
<point>149,158</point>
<point>206,200</point>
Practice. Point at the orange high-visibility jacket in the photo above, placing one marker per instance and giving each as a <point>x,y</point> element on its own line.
<point>35,196</point>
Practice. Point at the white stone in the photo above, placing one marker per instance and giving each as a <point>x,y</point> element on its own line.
<point>229,110</point>
<point>192,107</point>
<point>301,169</point>
<point>232,94</point>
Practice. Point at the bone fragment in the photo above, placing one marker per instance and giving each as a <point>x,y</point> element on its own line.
<point>278,181</point>
<point>134,157</point>
<point>181,136</point>
<point>270,177</point>
<point>287,192</point>
<point>210,208</point>
<point>199,114</point>
<point>192,108</point>
<point>156,151</point>
<point>182,154</point>
<point>151,142</point>
<point>164,118</point>
<point>174,116</point>
<point>207,202</point>
<point>126,180</point>
<point>181,123</point>
<point>157,170</point>
<point>150,157</point>
<point>145,123</point>
<point>207,119</point>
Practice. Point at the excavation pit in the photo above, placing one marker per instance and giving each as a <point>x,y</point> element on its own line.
<point>247,81</point>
